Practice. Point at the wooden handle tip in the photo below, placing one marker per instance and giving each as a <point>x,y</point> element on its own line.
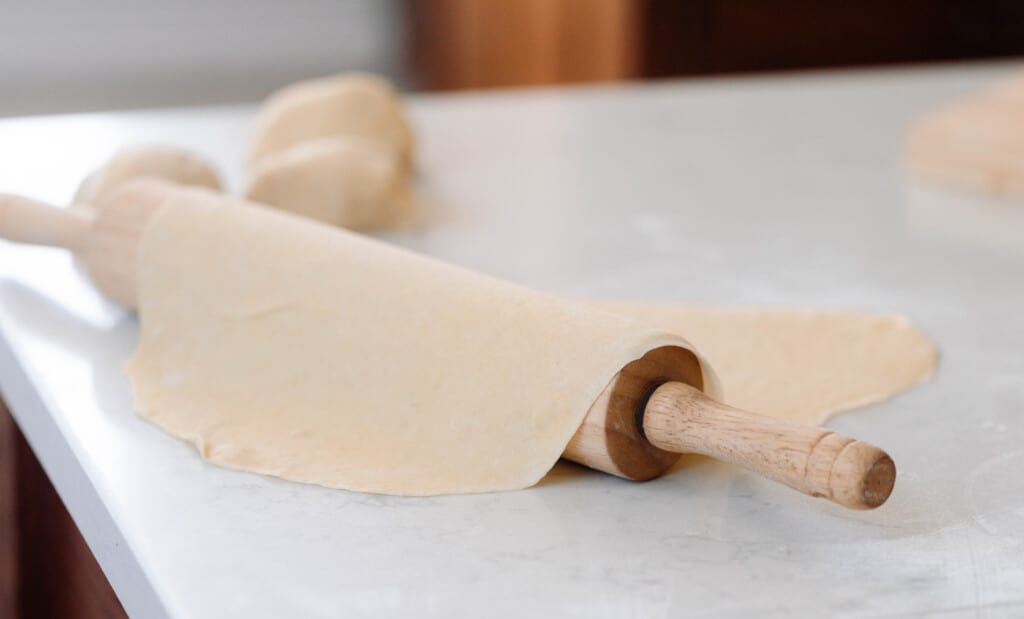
<point>862,476</point>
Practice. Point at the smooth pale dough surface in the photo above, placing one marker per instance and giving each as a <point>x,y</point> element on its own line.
<point>352,182</point>
<point>976,143</point>
<point>291,348</point>
<point>163,162</point>
<point>355,104</point>
<point>801,365</point>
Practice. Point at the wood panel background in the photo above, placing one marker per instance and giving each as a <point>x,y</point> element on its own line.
<point>488,43</point>
<point>481,44</point>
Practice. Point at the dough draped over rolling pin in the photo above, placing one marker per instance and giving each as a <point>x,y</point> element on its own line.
<point>286,347</point>
<point>163,162</point>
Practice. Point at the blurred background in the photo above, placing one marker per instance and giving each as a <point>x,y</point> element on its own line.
<point>67,55</point>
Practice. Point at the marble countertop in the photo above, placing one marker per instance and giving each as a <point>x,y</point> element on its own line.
<point>778,191</point>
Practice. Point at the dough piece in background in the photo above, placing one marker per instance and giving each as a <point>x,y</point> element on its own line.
<point>164,162</point>
<point>797,364</point>
<point>351,182</point>
<point>975,144</point>
<point>1011,88</point>
<point>337,149</point>
<point>352,104</point>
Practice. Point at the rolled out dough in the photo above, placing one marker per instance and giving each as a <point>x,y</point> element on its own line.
<point>801,365</point>
<point>286,347</point>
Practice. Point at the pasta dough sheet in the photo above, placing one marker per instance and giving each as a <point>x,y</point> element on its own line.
<point>801,365</point>
<point>286,347</point>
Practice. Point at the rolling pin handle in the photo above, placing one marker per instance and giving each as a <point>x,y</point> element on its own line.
<point>815,461</point>
<point>24,220</point>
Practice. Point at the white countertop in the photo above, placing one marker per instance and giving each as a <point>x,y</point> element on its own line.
<point>782,191</point>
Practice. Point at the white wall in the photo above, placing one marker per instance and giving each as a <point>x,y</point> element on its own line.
<point>68,55</point>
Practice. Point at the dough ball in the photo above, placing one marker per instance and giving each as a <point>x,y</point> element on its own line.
<point>350,182</point>
<point>352,104</point>
<point>163,162</point>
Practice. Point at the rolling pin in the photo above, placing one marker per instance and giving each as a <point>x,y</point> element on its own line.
<point>636,429</point>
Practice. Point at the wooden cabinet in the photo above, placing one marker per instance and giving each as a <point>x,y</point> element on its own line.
<point>46,568</point>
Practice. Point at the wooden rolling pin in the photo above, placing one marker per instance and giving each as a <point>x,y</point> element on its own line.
<point>636,429</point>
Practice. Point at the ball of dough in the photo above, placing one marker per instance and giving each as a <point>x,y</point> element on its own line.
<point>353,104</point>
<point>350,182</point>
<point>163,162</point>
